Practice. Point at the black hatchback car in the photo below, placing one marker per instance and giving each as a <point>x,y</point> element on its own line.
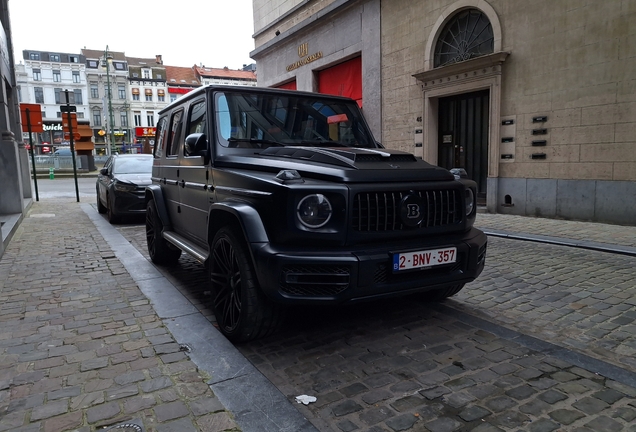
<point>121,185</point>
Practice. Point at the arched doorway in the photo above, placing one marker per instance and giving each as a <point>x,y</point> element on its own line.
<point>461,84</point>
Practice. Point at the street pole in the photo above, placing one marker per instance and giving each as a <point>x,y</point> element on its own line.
<point>111,128</point>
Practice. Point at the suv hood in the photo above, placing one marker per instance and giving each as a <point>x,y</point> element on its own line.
<point>345,164</point>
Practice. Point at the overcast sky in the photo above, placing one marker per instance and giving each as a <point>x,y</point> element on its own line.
<point>216,33</point>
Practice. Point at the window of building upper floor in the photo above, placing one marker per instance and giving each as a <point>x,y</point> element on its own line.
<point>37,75</point>
<point>34,56</point>
<point>54,57</point>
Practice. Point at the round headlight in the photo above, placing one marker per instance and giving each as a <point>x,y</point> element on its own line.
<point>314,211</point>
<point>470,201</point>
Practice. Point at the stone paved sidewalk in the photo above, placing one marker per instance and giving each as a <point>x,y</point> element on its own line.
<point>575,230</point>
<point>81,348</point>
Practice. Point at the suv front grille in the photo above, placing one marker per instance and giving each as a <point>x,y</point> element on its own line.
<point>315,280</point>
<point>380,211</point>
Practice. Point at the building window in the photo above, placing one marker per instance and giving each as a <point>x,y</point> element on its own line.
<point>119,66</point>
<point>37,75</point>
<point>148,93</point>
<point>19,94</point>
<point>77,93</point>
<point>59,114</point>
<point>173,97</point>
<point>57,77</point>
<point>123,118</point>
<point>467,35</point>
<point>34,56</point>
<point>136,97</point>
<point>73,59</point>
<point>97,118</point>
<point>161,98</point>
<point>94,91</point>
<point>137,116</point>
<point>150,118</point>
<point>58,95</point>
<point>80,115</point>
<point>121,91</point>
<point>135,75</point>
<point>76,76</point>
<point>91,64</point>
<point>146,73</point>
<point>54,57</point>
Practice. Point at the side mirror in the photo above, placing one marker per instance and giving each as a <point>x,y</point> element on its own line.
<point>103,171</point>
<point>196,144</point>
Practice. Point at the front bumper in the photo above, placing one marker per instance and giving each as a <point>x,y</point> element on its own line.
<point>334,276</point>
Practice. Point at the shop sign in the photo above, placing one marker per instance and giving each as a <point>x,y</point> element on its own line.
<point>303,51</point>
<point>145,131</point>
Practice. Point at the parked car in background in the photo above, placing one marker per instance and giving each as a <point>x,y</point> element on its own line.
<point>121,185</point>
<point>62,151</point>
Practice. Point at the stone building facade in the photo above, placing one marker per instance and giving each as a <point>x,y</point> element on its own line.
<point>536,100</point>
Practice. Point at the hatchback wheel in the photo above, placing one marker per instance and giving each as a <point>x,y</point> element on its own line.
<point>101,208</point>
<point>161,251</point>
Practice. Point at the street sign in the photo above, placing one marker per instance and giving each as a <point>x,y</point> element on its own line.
<point>68,108</point>
<point>73,122</point>
<point>76,136</point>
<point>35,117</point>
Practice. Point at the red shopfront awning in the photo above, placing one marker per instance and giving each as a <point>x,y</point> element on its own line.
<point>179,90</point>
<point>344,79</point>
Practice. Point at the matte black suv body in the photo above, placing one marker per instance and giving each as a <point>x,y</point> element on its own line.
<point>288,199</point>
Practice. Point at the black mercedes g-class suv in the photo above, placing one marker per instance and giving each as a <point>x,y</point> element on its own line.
<point>287,199</point>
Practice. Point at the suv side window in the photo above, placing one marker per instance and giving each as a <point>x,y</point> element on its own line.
<point>174,137</point>
<point>162,132</point>
<point>197,120</point>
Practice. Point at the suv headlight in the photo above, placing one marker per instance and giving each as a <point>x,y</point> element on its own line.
<point>314,211</point>
<point>470,201</point>
<point>124,187</point>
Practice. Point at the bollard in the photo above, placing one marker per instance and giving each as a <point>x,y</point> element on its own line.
<point>51,173</point>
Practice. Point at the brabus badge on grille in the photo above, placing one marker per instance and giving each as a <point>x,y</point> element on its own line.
<point>411,210</point>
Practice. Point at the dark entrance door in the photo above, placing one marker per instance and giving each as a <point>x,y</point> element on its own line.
<point>463,136</point>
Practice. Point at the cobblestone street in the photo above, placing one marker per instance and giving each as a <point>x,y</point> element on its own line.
<point>542,341</point>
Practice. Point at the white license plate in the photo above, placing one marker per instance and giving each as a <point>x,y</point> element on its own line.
<point>424,259</point>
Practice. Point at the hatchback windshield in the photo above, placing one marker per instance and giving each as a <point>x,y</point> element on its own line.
<point>133,165</point>
<point>261,120</point>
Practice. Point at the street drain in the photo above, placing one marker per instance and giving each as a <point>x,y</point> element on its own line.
<point>127,427</point>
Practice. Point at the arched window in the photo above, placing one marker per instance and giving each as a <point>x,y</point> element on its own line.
<point>467,35</point>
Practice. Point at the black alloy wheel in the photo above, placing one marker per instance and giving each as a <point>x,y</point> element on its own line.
<point>160,250</point>
<point>242,311</point>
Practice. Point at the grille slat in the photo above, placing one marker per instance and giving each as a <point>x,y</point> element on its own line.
<point>379,211</point>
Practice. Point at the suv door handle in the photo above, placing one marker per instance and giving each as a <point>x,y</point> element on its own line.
<point>182,183</point>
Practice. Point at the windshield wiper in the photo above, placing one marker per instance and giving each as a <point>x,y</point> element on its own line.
<point>258,141</point>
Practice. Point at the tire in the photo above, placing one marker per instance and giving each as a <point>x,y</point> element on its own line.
<point>441,294</point>
<point>100,207</point>
<point>241,309</point>
<point>161,251</point>
<point>113,218</point>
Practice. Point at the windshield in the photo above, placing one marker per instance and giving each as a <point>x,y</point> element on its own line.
<point>261,120</point>
<point>133,165</point>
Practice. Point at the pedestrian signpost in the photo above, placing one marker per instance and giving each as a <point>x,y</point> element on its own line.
<point>31,116</point>
<point>67,126</point>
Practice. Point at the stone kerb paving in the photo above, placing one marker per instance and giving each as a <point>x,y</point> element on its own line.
<point>81,348</point>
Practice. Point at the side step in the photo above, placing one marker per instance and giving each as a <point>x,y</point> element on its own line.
<point>182,243</point>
